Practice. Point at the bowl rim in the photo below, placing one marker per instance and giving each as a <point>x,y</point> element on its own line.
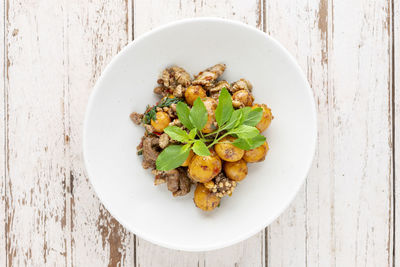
<point>246,234</point>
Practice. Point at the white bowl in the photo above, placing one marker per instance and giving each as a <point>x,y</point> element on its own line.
<point>126,85</point>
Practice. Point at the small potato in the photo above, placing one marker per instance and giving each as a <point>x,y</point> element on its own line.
<point>204,169</point>
<point>204,199</point>
<point>211,106</point>
<point>236,171</point>
<point>242,98</point>
<point>161,122</point>
<point>257,154</point>
<point>189,158</point>
<point>193,92</point>
<point>228,152</point>
<point>266,117</point>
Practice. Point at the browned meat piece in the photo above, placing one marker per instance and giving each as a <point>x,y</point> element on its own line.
<point>164,140</point>
<point>172,180</point>
<point>161,90</point>
<point>136,117</point>
<point>216,90</point>
<point>184,183</point>
<point>181,76</point>
<point>207,77</point>
<point>178,91</point>
<point>242,84</point>
<point>173,81</point>
<point>150,152</point>
<point>177,181</point>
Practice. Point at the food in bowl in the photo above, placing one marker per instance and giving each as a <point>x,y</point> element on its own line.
<point>203,131</point>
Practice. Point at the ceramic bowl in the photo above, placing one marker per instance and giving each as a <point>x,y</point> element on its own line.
<point>126,85</point>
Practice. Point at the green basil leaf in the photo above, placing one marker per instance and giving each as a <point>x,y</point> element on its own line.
<point>198,115</point>
<point>257,141</point>
<point>246,111</point>
<point>253,117</point>
<point>224,109</point>
<point>242,143</point>
<point>245,131</point>
<point>249,143</point>
<point>235,120</point>
<point>200,148</point>
<point>177,133</point>
<point>172,157</point>
<point>183,112</point>
<point>192,133</point>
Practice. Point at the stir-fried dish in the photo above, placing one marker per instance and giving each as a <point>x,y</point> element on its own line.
<point>203,131</point>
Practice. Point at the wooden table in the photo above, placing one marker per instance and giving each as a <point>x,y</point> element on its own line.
<point>346,214</point>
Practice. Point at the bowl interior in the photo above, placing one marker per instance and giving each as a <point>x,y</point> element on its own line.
<point>110,138</point>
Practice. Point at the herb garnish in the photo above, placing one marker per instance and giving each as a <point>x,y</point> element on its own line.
<point>239,123</point>
<point>150,113</point>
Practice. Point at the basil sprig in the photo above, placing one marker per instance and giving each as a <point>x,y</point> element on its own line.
<point>239,123</point>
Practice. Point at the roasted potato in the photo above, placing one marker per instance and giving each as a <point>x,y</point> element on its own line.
<point>189,158</point>
<point>236,171</point>
<point>161,122</point>
<point>204,199</point>
<point>242,98</point>
<point>266,117</point>
<point>228,152</point>
<point>211,106</point>
<point>204,169</point>
<point>257,154</point>
<point>193,92</point>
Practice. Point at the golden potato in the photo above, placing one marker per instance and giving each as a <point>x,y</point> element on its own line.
<point>161,122</point>
<point>211,106</point>
<point>189,158</point>
<point>193,92</point>
<point>228,152</point>
<point>257,154</point>
<point>266,117</point>
<point>204,169</point>
<point>242,98</point>
<point>236,171</point>
<point>204,199</point>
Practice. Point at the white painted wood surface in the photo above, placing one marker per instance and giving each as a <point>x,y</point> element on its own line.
<point>395,20</point>
<point>53,52</point>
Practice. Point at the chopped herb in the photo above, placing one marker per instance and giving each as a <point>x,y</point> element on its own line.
<point>150,113</point>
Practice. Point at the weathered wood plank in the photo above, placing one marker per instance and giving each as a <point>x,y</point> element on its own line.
<point>396,99</point>
<point>348,194</point>
<point>301,235</point>
<point>97,30</point>
<point>35,157</point>
<point>149,14</point>
<point>153,13</point>
<point>359,73</point>
<point>3,254</point>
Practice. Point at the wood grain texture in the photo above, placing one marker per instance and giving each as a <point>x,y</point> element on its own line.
<point>35,157</point>
<point>347,213</point>
<point>3,254</point>
<point>150,14</point>
<point>96,31</point>
<point>347,206</point>
<point>396,102</point>
<point>362,156</point>
<point>301,236</point>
